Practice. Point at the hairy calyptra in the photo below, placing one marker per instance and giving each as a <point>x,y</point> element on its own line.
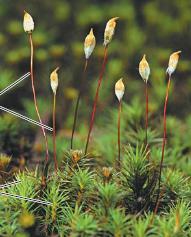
<point>54,80</point>
<point>119,89</point>
<point>173,61</point>
<point>28,23</point>
<point>89,44</point>
<point>109,30</point>
<point>144,69</point>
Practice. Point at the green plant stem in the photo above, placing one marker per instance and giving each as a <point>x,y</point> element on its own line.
<point>119,136</point>
<point>163,143</point>
<point>146,111</point>
<point>54,132</point>
<point>34,95</point>
<point>77,102</point>
<point>96,98</point>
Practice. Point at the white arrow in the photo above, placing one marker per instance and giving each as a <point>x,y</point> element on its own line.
<point>17,114</point>
<point>14,83</point>
<point>25,198</point>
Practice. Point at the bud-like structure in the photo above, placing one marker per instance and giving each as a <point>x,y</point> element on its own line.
<point>76,155</point>
<point>107,171</point>
<point>144,69</point>
<point>28,23</point>
<point>119,89</point>
<point>89,44</point>
<point>54,80</point>
<point>109,30</point>
<point>173,61</point>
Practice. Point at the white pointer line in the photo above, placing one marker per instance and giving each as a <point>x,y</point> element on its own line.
<point>6,185</point>
<point>25,198</point>
<point>14,83</point>
<point>25,118</point>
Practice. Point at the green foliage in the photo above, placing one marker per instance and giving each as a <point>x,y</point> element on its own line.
<point>118,223</point>
<point>140,177</point>
<point>177,222</point>
<point>85,203</point>
<point>141,227</point>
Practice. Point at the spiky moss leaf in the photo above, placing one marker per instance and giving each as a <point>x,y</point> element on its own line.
<point>82,186</point>
<point>53,213</point>
<point>139,177</point>
<point>75,159</point>
<point>78,223</point>
<point>140,227</point>
<point>177,222</point>
<point>9,224</point>
<point>108,196</point>
<point>175,187</point>
<point>135,166</point>
<point>118,223</point>
<point>28,187</point>
<point>83,225</point>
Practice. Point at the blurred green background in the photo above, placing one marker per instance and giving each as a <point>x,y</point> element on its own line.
<point>156,28</point>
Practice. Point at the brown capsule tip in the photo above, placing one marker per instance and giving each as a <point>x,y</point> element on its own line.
<point>53,75</point>
<point>115,18</point>
<point>57,69</point>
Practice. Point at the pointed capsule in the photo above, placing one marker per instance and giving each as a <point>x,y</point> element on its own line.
<point>119,89</point>
<point>173,61</point>
<point>28,23</point>
<point>89,44</point>
<point>144,69</point>
<point>54,80</point>
<point>109,30</point>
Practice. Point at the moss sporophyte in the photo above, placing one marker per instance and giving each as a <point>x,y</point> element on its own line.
<point>54,86</point>
<point>144,71</point>
<point>173,61</point>
<point>119,92</point>
<point>28,25</point>
<point>89,45</point>
<point>108,35</point>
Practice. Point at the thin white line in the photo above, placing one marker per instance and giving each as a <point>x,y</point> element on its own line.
<point>25,118</point>
<point>9,184</point>
<point>14,83</point>
<point>25,198</point>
